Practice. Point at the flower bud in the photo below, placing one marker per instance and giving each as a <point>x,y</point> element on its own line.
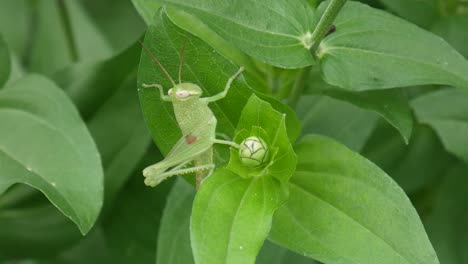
<point>253,151</point>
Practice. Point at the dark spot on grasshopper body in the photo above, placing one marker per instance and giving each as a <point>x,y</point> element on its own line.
<point>190,139</point>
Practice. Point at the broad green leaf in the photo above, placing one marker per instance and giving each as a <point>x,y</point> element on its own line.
<point>16,34</point>
<point>117,21</point>
<point>391,104</point>
<point>45,144</point>
<point>190,23</point>
<point>39,231</point>
<point>56,45</point>
<point>446,111</point>
<point>105,94</point>
<point>339,120</point>
<point>344,209</point>
<point>202,66</point>
<point>131,228</point>
<point>274,254</point>
<point>281,37</point>
<point>372,49</point>
<point>446,225</point>
<point>413,166</point>
<point>453,30</point>
<point>147,9</point>
<point>231,217</point>
<point>174,231</point>
<point>4,62</point>
<point>91,249</point>
<point>421,12</point>
<point>260,119</point>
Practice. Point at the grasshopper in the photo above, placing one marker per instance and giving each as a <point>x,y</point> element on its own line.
<point>197,124</point>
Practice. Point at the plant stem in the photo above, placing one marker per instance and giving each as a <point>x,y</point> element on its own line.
<point>298,87</point>
<point>325,22</point>
<point>65,16</point>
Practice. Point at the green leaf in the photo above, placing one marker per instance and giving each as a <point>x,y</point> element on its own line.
<point>413,166</point>
<point>39,231</point>
<point>274,254</point>
<point>453,30</point>
<point>231,217</point>
<point>372,49</point>
<point>16,34</point>
<point>91,249</point>
<point>147,9</point>
<point>202,66</point>
<point>117,21</point>
<point>446,225</point>
<point>281,37</point>
<point>132,226</point>
<point>339,120</point>
<point>174,231</point>
<point>281,161</point>
<point>68,168</point>
<point>446,111</point>
<point>344,209</point>
<point>4,62</point>
<point>421,12</point>
<point>391,104</point>
<point>56,44</point>
<point>105,94</point>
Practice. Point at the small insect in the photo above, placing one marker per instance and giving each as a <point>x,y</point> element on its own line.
<point>197,123</point>
<point>331,30</point>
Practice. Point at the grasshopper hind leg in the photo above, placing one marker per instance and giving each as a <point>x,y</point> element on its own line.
<point>155,179</point>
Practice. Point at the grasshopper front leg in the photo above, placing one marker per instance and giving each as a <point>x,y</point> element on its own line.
<point>223,94</point>
<point>164,97</point>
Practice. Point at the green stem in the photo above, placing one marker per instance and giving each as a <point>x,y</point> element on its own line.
<point>298,87</point>
<point>65,16</point>
<point>325,22</point>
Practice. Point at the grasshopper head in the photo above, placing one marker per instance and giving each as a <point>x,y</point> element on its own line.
<point>185,91</point>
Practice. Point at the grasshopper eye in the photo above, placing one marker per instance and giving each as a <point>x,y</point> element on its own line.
<point>169,92</point>
<point>182,94</point>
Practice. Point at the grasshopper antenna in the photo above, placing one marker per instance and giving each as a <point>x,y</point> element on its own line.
<point>181,60</point>
<point>157,61</point>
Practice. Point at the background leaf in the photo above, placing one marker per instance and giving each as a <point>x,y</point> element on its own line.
<point>446,111</point>
<point>4,62</point>
<point>421,12</point>
<point>372,49</point>
<point>332,182</point>
<point>446,225</point>
<point>174,232</point>
<point>105,94</point>
<point>131,228</point>
<point>339,120</point>
<point>147,9</point>
<point>69,157</point>
<point>453,30</point>
<point>391,104</point>
<point>281,38</point>
<point>56,44</point>
<point>413,166</point>
<point>39,231</point>
<point>226,210</point>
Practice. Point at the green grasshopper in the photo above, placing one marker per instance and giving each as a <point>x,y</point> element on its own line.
<point>198,125</point>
